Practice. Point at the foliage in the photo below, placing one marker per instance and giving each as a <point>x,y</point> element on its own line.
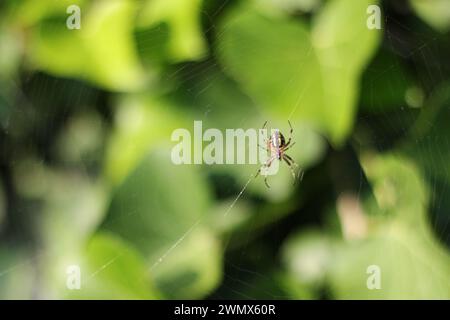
<point>86,117</point>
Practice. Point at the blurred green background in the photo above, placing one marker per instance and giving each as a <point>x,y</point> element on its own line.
<point>86,179</point>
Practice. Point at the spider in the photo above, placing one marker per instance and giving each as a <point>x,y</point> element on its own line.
<point>277,147</point>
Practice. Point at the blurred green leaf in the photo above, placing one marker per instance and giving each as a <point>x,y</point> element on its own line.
<point>183,18</point>
<point>218,102</point>
<point>398,188</point>
<point>274,62</point>
<point>81,141</point>
<point>223,220</point>
<point>192,269</point>
<point>385,85</point>
<point>103,50</point>
<point>306,256</point>
<point>16,273</point>
<point>110,45</point>
<point>2,205</point>
<point>399,241</point>
<point>428,142</point>
<point>152,46</point>
<point>413,264</point>
<point>73,209</point>
<point>111,269</point>
<point>30,12</point>
<point>11,49</point>
<point>69,145</point>
<point>411,267</point>
<point>291,6</point>
<point>56,49</point>
<point>434,12</point>
<point>143,212</point>
<point>142,123</point>
<point>344,45</point>
<point>72,206</point>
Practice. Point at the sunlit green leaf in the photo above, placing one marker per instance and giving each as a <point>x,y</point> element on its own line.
<point>183,17</point>
<point>102,50</point>
<point>30,12</point>
<point>344,45</point>
<point>109,44</point>
<point>274,62</point>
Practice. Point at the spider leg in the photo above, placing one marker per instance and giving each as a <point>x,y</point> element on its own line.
<point>266,165</point>
<point>287,143</point>
<point>264,125</point>
<point>265,149</point>
<point>291,131</point>
<point>293,165</point>
<point>290,126</point>
<point>265,140</point>
<point>290,164</point>
<point>265,181</point>
<point>287,147</point>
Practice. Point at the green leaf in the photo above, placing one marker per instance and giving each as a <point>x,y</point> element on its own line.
<point>218,101</point>
<point>387,85</point>
<point>11,53</point>
<point>56,49</point>
<point>341,35</point>
<point>143,209</point>
<point>344,45</point>
<point>192,269</point>
<point>434,12</point>
<point>111,269</point>
<point>398,240</point>
<point>291,6</point>
<point>143,212</point>
<point>274,62</point>
<point>412,266</point>
<point>183,18</point>
<point>16,273</point>
<point>427,142</point>
<point>291,75</point>
<point>2,204</point>
<point>306,257</point>
<point>397,186</point>
<point>72,206</point>
<point>30,12</point>
<point>142,123</point>
<point>108,36</point>
<point>102,51</point>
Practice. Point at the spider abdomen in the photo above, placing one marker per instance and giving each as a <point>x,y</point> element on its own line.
<point>276,143</point>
